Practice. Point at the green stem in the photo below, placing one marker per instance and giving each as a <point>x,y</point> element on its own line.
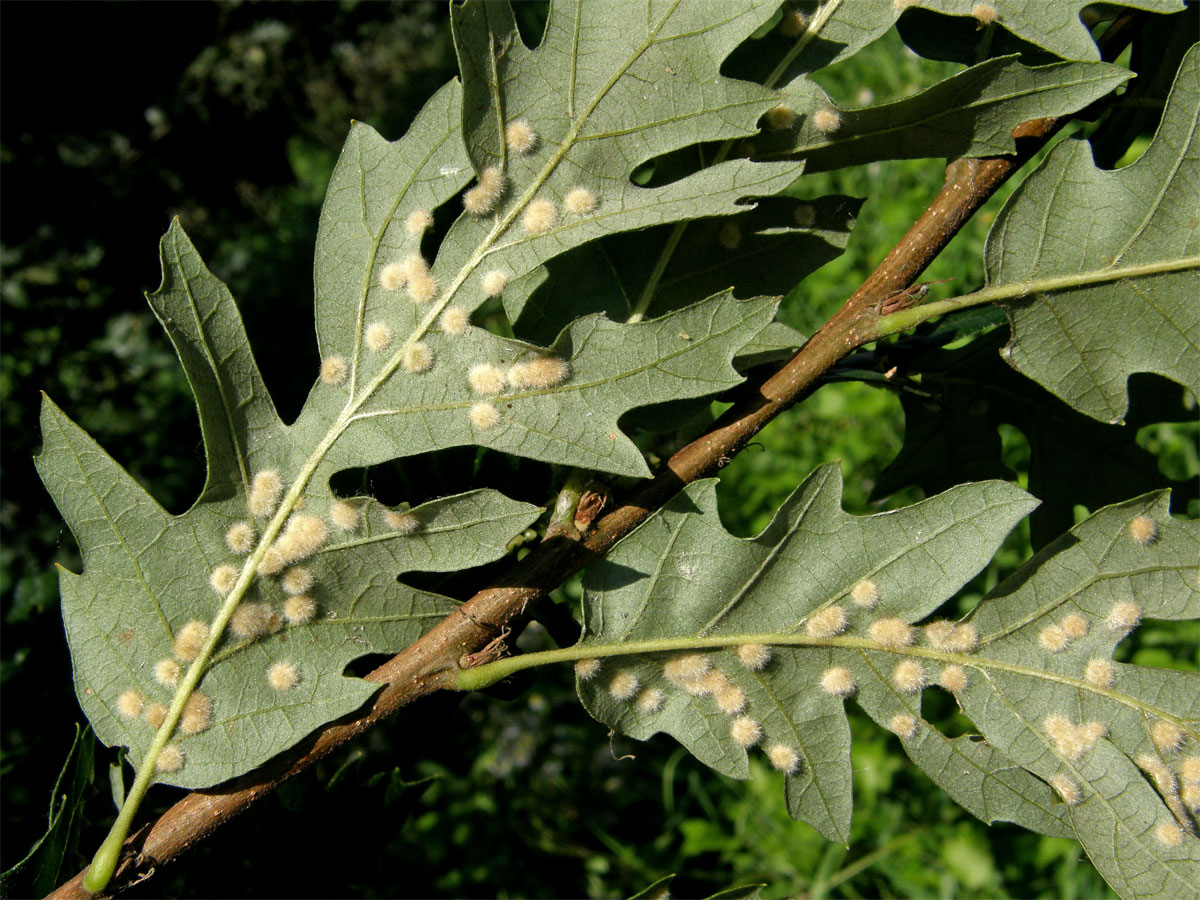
<point>567,501</point>
<point>865,862</point>
<point>488,674</point>
<point>104,863</point>
<point>909,318</point>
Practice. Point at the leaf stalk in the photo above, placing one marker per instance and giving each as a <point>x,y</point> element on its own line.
<point>909,318</point>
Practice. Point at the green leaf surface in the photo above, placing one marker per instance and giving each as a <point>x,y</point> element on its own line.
<point>603,99</point>
<point>972,113</point>
<point>383,410</point>
<point>613,368</point>
<point>238,421</point>
<point>955,400</point>
<point>1037,647</point>
<point>600,101</point>
<point>963,39</point>
<point>681,575</point>
<point>937,29</point>
<point>394,384</point>
<point>146,573</point>
<point>376,185</point>
<point>775,342</point>
<point>1101,573</point>
<point>1126,246</point>
<point>761,252</point>
<point>1056,26</point>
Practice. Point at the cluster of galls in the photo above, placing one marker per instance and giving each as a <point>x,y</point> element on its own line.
<point>538,374</point>
<point>197,713</point>
<point>412,273</point>
<point>1179,787</point>
<point>1072,741</point>
<point>696,675</point>
<point>302,536</point>
<point>908,676</point>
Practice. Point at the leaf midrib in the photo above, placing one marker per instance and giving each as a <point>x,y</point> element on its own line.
<point>199,321</point>
<point>1152,852</point>
<point>349,413</point>
<point>657,646</point>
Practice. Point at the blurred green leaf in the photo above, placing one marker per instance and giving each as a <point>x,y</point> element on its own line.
<point>54,852</point>
<point>957,399</point>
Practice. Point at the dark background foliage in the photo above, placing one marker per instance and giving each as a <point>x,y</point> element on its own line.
<point>118,116</point>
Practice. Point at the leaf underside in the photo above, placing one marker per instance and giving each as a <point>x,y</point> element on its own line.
<point>1057,28</point>
<point>146,575</point>
<point>681,585</point>
<point>622,124</point>
<point>972,113</point>
<point>1072,219</point>
<point>394,383</point>
<point>764,251</point>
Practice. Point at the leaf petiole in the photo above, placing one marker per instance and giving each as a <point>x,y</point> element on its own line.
<point>910,318</point>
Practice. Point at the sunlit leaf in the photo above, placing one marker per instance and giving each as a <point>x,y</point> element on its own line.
<point>207,601</point>
<point>681,576</point>
<point>735,646</point>
<point>1059,28</point>
<point>972,113</point>
<point>1126,245</point>
<point>146,575</point>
